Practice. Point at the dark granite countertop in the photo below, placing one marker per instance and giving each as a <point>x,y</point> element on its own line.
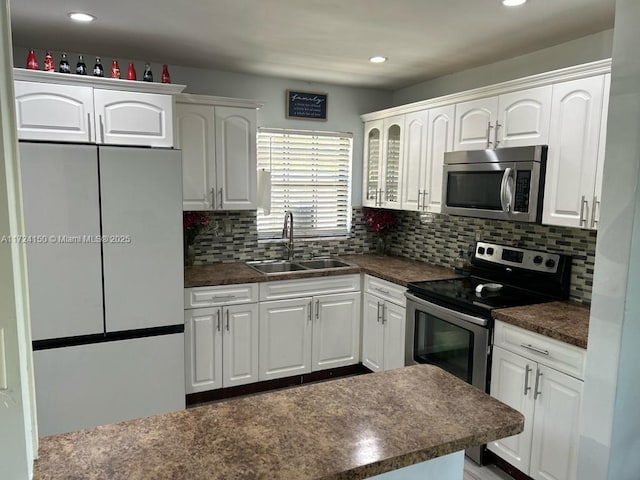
<point>394,269</point>
<point>349,428</point>
<point>564,321</point>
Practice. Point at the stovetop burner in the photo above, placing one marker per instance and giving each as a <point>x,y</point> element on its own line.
<point>527,277</point>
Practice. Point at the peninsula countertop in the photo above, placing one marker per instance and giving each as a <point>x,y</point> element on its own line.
<point>349,428</point>
<point>394,269</point>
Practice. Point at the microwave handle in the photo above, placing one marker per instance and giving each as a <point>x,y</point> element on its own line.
<point>506,190</point>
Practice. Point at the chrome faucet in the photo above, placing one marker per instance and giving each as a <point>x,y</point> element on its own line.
<point>287,232</point>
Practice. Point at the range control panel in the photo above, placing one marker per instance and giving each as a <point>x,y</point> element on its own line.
<point>517,257</point>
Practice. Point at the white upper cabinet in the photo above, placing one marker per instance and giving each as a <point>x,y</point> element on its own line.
<point>372,163</point>
<point>475,124</point>
<point>383,163</point>
<point>415,166</point>
<point>133,118</point>
<point>218,144</point>
<point>523,118</point>
<point>510,120</point>
<point>439,141</point>
<point>76,108</point>
<point>195,132</point>
<point>574,148</point>
<point>61,113</point>
<point>236,161</point>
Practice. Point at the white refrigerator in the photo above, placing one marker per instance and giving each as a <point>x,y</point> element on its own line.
<point>104,260</point>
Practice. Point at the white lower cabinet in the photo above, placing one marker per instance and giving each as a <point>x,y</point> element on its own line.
<point>383,325</point>
<point>549,399</point>
<point>221,338</point>
<point>308,334</point>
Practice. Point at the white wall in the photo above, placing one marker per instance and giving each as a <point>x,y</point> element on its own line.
<point>17,438</point>
<point>610,422</point>
<point>582,50</point>
<point>345,104</point>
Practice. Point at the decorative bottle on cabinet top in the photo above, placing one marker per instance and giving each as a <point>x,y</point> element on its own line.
<point>115,69</point>
<point>49,66</point>
<point>166,78</point>
<point>32,62</point>
<point>81,68</point>
<point>148,75</point>
<point>131,72</point>
<point>98,69</point>
<point>64,64</point>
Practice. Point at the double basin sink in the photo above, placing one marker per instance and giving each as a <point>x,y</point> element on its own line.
<point>283,266</point>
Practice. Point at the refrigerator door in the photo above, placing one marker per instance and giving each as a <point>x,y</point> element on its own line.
<point>62,221</point>
<point>141,191</point>
<point>88,385</point>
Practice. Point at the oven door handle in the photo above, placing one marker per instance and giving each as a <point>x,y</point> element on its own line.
<point>506,190</point>
<point>437,309</point>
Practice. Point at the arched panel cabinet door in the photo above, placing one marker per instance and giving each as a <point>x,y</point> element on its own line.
<point>60,113</point>
<point>475,121</point>
<point>133,118</point>
<point>372,163</point>
<point>523,118</point>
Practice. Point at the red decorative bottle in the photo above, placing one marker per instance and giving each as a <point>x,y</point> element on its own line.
<point>32,62</point>
<point>49,66</point>
<point>131,72</point>
<point>115,69</point>
<point>165,74</point>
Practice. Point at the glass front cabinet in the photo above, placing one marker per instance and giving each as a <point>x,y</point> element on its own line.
<point>383,153</point>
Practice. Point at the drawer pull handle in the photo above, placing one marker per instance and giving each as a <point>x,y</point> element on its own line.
<point>223,298</point>
<point>528,369</point>
<point>536,392</point>
<point>381,290</point>
<point>528,346</point>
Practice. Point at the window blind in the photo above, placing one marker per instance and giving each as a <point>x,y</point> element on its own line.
<point>310,176</point>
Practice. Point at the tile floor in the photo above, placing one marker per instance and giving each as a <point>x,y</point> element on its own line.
<point>472,471</point>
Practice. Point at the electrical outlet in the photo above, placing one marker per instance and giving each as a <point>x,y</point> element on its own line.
<point>3,362</point>
<point>227,227</point>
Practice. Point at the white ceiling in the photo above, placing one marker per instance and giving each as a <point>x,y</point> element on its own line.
<point>314,40</point>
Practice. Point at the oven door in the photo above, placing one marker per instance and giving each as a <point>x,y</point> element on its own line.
<point>453,341</point>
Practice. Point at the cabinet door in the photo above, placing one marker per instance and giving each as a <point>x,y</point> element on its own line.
<point>439,141</point>
<point>372,333</point>
<point>134,118</point>
<point>597,194</point>
<point>414,176</point>
<point>474,125</point>
<point>394,321</point>
<point>336,331</point>
<point>195,135</point>
<point>393,144</point>
<point>236,161</point>
<point>554,454</point>
<point>61,203</point>
<point>511,384</point>
<point>203,349</point>
<point>523,118</point>
<point>285,338</point>
<point>372,168</point>
<point>61,113</point>
<point>576,113</point>
<point>240,345</point>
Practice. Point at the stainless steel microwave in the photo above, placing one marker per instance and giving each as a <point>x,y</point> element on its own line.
<point>501,184</point>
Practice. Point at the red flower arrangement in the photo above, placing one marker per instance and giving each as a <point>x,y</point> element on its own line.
<point>192,224</point>
<point>380,221</point>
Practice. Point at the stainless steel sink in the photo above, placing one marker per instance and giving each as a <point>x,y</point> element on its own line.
<point>275,266</point>
<point>283,266</point>
<point>323,263</point>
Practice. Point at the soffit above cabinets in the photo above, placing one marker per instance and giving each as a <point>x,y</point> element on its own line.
<point>327,41</point>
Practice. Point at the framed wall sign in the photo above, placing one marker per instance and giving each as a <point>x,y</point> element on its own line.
<point>306,105</point>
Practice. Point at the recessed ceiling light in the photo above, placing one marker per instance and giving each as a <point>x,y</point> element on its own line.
<point>513,3</point>
<point>81,17</point>
<point>378,59</point>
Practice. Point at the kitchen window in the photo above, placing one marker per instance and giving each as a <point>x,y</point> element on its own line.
<point>310,176</point>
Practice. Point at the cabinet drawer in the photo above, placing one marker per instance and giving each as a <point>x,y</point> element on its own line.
<point>386,290</point>
<point>544,350</point>
<point>220,295</point>
<point>308,287</point>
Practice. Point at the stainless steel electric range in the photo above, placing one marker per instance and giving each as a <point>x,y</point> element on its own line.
<point>449,322</point>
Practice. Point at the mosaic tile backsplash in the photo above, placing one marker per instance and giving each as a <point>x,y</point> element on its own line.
<point>436,239</point>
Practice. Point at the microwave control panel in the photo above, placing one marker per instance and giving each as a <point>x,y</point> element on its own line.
<point>523,187</point>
